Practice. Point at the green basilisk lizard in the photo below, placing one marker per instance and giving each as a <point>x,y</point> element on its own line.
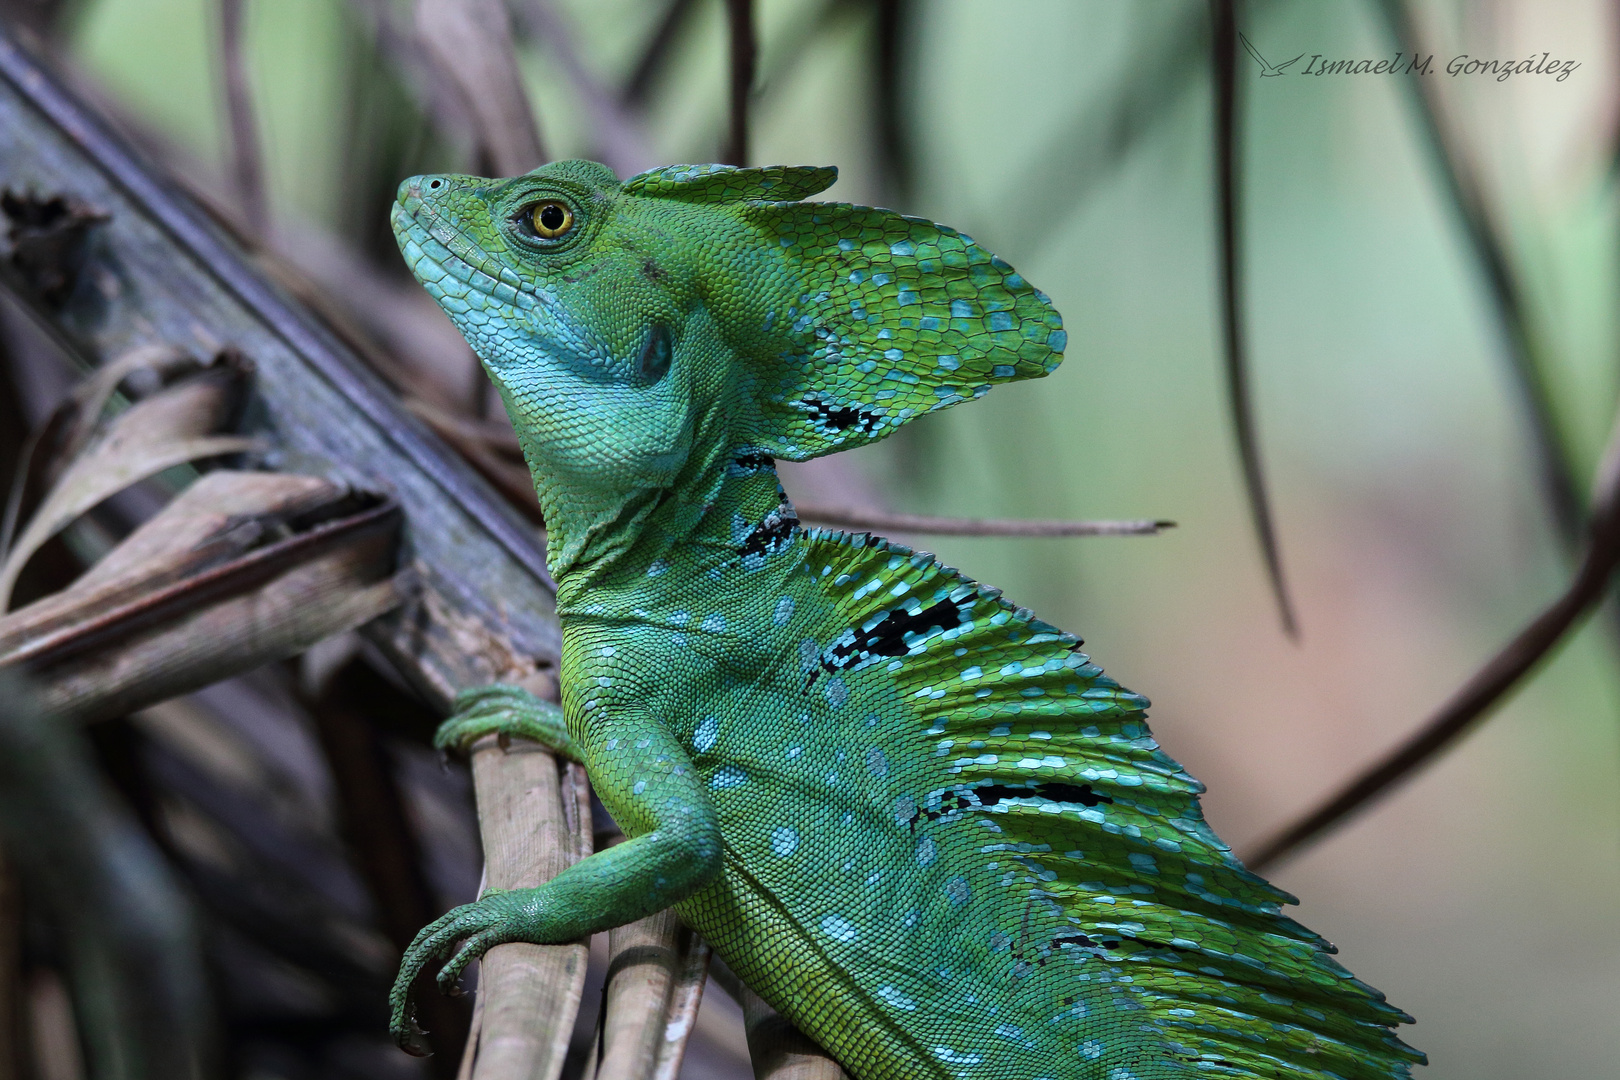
<point>913,817</point>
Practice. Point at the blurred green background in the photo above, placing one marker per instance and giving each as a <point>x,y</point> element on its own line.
<point>1482,897</point>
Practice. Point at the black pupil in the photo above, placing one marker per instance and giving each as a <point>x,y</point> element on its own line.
<point>552,217</point>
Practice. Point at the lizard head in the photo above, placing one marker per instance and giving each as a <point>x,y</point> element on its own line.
<point>628,323</point>
<point>574,308</point>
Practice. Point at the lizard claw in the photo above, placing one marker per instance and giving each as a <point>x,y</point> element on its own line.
<point>497,918</point>
<point>508,711</point>
<point>407,1038</point>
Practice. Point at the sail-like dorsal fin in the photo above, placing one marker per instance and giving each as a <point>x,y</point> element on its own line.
<point>1047,767</point>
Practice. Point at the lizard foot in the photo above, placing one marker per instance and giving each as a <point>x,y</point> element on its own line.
<point>503,709</point>
<point>494,919</point>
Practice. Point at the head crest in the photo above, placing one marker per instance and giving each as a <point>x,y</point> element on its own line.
<point>872,319</point>
<point>727,183</point>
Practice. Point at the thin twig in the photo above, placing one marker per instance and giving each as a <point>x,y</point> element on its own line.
<point>1223,63</point>
<point>883,521</point>
<point>1526,354</point>
<point>774,66</point>
<point>247,164</point>
<point>657,53</point>
<point>1486,689</point>
<point>744,52</point>
<point>14,494</point>
<point>494,450</point>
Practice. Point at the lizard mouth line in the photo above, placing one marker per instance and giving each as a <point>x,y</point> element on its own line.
<point>443,247</point>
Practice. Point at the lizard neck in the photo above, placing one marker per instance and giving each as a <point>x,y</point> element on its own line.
<point>603,548</point>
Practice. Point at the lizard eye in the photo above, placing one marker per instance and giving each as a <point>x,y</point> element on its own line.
<point>551,219</point>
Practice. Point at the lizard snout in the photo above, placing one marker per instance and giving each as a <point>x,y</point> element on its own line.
<point>415,188</point>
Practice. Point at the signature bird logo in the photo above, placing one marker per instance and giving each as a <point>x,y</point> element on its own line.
<point>1266,70</point>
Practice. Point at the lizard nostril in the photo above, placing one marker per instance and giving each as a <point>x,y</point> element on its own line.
<point>435,185</point>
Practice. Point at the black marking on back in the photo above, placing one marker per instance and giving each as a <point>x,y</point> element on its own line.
<point>992,794</point>
<point>887,636</point>
<point>752,460</point>
<point>988,795</point>
<point>772,534</point>
<point>1112,940</point>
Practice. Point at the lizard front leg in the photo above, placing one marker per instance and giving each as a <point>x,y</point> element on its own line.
<point>674,851</point>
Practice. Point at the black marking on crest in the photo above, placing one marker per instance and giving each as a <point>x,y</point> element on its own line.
<point>838,418</point>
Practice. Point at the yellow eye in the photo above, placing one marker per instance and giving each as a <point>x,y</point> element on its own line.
<point>551,218</point>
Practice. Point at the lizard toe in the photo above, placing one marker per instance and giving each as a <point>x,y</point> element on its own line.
<point>473,948</point>
<point>498,693</point>
<point>502,709</point>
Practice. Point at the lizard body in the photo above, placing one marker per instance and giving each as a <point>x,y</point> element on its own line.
<point>913,817</point>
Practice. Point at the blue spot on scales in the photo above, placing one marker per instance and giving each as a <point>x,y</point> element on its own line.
<point>729,776</point>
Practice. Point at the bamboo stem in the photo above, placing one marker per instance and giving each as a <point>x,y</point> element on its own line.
<point>531,993</point>
<point>779,1050</point>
